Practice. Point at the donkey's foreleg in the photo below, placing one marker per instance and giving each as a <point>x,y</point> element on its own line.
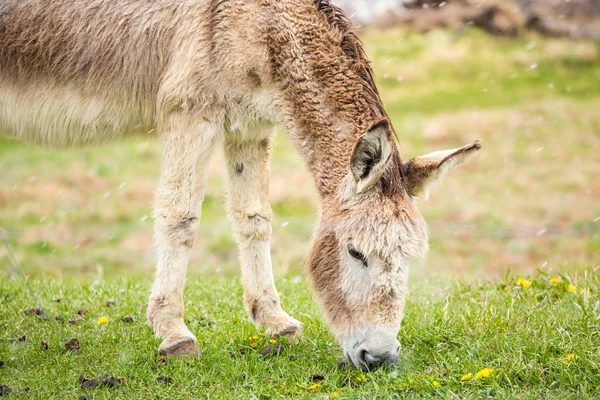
<point>185,157</point>
<point>249,209</point>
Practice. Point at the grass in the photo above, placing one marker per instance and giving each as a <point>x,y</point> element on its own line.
<point>541,342</point>
<point>78,221</point>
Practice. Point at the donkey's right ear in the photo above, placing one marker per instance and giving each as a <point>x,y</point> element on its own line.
<point>421,172</point>
<point>370,156</point>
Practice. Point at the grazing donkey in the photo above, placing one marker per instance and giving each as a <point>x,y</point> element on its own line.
<point>200,72</point>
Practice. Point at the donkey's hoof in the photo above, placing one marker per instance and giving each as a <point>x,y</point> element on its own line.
<point>291,330</point>
<point>181,347</point>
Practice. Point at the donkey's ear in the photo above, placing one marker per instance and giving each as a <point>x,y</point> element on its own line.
<point>420,172</point>
<point>370,156</point>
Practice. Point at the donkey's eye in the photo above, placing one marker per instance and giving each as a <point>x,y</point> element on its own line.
<point>357,254</point>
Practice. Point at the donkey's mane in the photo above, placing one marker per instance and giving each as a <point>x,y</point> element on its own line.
<point>353,48</point>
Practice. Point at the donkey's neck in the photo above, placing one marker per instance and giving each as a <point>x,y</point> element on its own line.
<point>327,94</point>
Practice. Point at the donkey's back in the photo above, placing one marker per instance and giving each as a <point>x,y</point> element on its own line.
<point>74,72</point>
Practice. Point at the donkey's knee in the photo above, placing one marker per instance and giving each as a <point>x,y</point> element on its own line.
<point>253,225</point>
<point>177,230</point>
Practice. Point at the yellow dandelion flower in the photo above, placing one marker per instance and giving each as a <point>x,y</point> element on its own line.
<point>484,373</point>
<point>254,337</point>
<point>524,282</point>
<point>253,345</point>
<point>435,383</point>
<point>581,290</point>
<point>570,357</point>
<point>466,377</point>
<point>335,395</point>
<point>315,386</point>
<point>102,320</point>
<point>262,334</point>
<point>272,341</point>
<point>507,288</point>
<point>555,281</point>
<point>572,288</point>
<point>361,378</point>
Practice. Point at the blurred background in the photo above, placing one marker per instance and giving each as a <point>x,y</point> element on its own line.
<point>522,75</point>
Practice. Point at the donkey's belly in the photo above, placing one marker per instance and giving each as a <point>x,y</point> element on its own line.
<point>62,116</point>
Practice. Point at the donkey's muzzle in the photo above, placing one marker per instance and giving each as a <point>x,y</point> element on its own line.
<point>375,357</point>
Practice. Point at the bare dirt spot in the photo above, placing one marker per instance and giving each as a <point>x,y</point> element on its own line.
<point>90,384</point>
<point>82,311</point>
<point>109,303</point>
<point>127,319</point>
<point>317,377</point>
<point>166,380</point>
<point>72,344</point>
<point>75,319</point>
<point>36,311</point>
<point>106,380</point>
<point>44,345</point>
<point>271,349</point>
<point>4,390</point>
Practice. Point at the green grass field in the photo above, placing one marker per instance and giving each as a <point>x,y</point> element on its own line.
<point>79,223</point>
<point>541,342</point>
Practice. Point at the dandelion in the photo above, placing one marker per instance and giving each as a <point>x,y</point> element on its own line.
<point>484,373</point>
<point>262,334</point>
<point>435,383</point>
<point>524,282</point>
<point>273,341</point>
<point>254,337</point>
<point>581,290</point>
<point>253,345</point>
<point>572,289</point>
<point>570,357</point>
<point>335,395</point>
<point>315,386</point>
<point>507,288</point>
<point>102,320</point>
<point>466,377</point>
<point>361,378</point>
<point>555,281</point>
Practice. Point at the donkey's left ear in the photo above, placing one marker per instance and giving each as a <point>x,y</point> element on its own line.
<point>371,154</point>
<point>420,172</point>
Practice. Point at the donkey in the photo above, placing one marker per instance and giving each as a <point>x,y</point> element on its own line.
<point>204,72</point>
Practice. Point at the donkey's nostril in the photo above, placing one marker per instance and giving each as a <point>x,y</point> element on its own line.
<point>361,356</point>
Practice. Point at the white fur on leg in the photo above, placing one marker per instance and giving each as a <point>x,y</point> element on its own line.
<point>249,210</point>
<point>186,147</point>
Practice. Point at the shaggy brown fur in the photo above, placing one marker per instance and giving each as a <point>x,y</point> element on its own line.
<point>327,78</point>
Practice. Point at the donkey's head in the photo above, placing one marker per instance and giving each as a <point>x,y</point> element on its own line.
<point>369,231</point>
